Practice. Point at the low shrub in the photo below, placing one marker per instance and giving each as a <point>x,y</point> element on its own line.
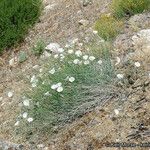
<point>122,8</point>
<point>70,85</point>
<point>108,27</point>
<point>16,16</point>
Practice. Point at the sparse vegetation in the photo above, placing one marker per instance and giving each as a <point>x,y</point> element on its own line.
<point>123,8</point>
<point>108,27</point>
<point>38,48</point>
<point>16,16</point>
<point>66,88</point>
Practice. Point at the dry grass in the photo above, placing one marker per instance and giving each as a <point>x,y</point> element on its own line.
<point>108,27</point>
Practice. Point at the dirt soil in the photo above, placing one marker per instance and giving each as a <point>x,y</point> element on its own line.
<point>123,119</point>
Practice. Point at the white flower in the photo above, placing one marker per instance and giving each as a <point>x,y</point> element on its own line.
<point>78,53</point>
<point>70,51</point>
<point>41,70</point>
<point>116,111</point>
<point>26,102</point>
<point>56,56</point>
<point>10,94</point>
<point>95,32</point>
<point>71,79</point>
<point>76,61</point>
<point>59,89</point>
<point>86,62</point>
<point>100,62</point>
<point>17,123</point>
<point>67,46</point>
<point>30,120</point>
<point>137,64</point>
<point>120,76</point>
<point>60,50</point>
<point>75,41</point>
<point>33,79</point>
<point>91,58</point>
<point>52,71</point>
<point>34,85</point>
<point>80,62</point>
<point>24,115</point>
<point>85,57</point>
<point>59,84</point>
<point>62,56</point>
<point>54,86</point>
<point>47,94</point>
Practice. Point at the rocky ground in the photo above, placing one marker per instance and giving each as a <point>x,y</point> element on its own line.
<point>125,118</point>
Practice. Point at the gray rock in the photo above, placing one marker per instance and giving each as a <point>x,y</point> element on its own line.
<point>54,48</point>
<point>87,2</point>
<point>5,145</point>
<point>141,42</point>
<point>83,22</point>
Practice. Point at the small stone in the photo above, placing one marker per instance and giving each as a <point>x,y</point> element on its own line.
<point>118,61</point>
<point>137,64</point>
<point>17,123</point>
<point>116,111</point>
<point>10,94</point>
<point>13,62</point>
<point>1,98</point>
<point>50,7</point>
<point>87,2</point>
<point>120,76</point>
<point>36,67</point>
<point>83,22</point>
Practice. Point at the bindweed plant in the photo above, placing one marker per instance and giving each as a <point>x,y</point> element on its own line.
<point>69,85</point>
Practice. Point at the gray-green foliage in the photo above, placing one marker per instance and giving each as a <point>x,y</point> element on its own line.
<point>22,56</point>
<point>89,89</point>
